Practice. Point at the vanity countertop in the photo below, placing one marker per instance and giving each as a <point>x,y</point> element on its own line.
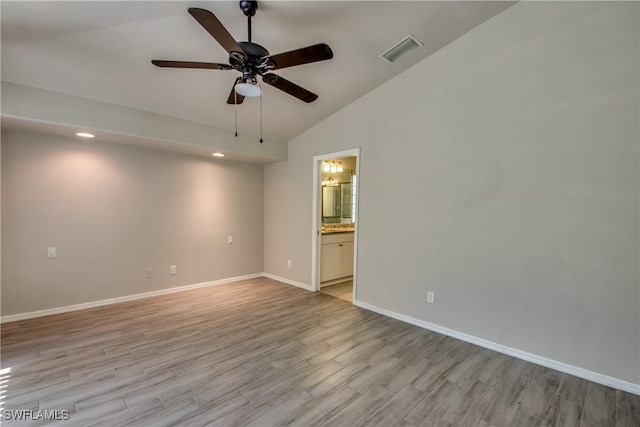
<point>338,231</point>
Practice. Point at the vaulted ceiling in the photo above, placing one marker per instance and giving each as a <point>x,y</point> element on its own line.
<point>102,51</point>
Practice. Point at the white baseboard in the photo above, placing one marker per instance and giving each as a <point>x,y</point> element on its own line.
<point>109,301</point>
<point>529,357</point>
<point>288,281</point>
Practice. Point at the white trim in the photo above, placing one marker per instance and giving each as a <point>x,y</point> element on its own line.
<point>315,226</point>
<point>529,357</point>
<point>354,295</point>
<point>289,282</point>
<point>316,222</point>
<point>109,301</point>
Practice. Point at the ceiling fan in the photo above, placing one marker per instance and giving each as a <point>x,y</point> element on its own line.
<point>251,59</point>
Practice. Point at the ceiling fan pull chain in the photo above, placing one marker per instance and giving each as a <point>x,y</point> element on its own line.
<point>261,141</point>
<point>235,109</point>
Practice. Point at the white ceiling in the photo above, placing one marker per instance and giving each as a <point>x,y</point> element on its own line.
<point>102,51</point>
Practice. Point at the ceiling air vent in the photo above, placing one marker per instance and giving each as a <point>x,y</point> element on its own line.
<point>401,49</point>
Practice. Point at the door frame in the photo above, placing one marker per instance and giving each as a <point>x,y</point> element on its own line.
<point>316,222</point>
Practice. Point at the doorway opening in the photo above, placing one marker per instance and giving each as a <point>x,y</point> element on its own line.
<point>335,224</point>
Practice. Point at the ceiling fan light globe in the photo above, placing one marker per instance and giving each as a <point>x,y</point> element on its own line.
<point>248,90</point>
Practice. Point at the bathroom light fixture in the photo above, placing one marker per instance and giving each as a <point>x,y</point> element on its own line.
<point>330,183</point>
<point>251,90</point>
<point>85,134</point>
<point>217,154</point>
<point>332,166</point>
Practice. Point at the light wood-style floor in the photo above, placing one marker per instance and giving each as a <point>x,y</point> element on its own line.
<point>342,290</point>
<point>263,353</point>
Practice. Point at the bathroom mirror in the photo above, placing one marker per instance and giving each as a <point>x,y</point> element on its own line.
<point>331,205</point>
<point>338,191</point>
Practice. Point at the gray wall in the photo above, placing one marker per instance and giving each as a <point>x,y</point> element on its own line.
<point>112,211</point>
<point>515,157</point>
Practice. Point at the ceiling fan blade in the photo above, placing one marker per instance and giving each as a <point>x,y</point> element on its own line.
<point>214,27</point>
<point>235,97</point>
<point>306,55</point>
<point>290,88</point>
<point>187,64</point>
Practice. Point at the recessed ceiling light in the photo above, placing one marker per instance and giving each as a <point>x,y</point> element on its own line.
<point>85,135</point>
<point>217,155</point>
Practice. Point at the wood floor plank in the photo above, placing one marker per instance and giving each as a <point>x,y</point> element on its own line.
<point>468,410</point>
<point>304,353</point>
<point>319,410</point>
<point>227,404</point>
<point>539,395</point>
<point>502,409</point>
<point>284,413</point>
<point>337,379</point>
<point>627,409</point>
<point>359,353</point>
<point>599,407</point>
<point>259,352</point>
<point>332,352</point>
<point>306,381</point>
<point>468,371</point>
<point>564,413</point>
<point>436,373</point>
<point>356,413</point>
<point>84,416</point>
<point>375,375</point>
<point>403,377</point>
<point>235,383</point>
<point>393,411</point>
<point>278,381</point>
<point>130,416</point>
<point>170,417</point>
<point>249,412</point>
<point>433,406</point>
<point>95,393</point>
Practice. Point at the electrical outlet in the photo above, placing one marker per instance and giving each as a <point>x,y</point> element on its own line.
<point>230,239</point>
<point>149,273</point>
<point>289,263</point>
<point>431,297</point>
<point>51,252</point>
<point>172,270</point>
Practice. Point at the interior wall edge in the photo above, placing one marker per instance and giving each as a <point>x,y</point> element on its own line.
<point>289,281</point>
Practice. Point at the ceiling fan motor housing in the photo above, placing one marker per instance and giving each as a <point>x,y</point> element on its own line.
<point>248,7</point>
<point>253,49</point>
<point>251,63</point>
